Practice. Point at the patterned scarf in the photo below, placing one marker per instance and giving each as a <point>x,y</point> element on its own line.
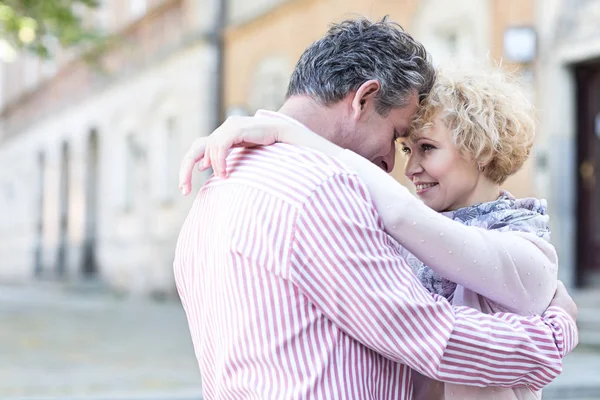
<point>505,214</point>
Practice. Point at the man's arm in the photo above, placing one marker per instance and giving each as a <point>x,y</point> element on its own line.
<point>351,270</point>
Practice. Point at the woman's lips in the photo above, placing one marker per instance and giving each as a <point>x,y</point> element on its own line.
<point>424,187</point>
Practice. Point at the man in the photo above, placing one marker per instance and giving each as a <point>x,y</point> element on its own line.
<point>292,288</point>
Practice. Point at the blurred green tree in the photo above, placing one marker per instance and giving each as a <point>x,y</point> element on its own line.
<point>41,26</point>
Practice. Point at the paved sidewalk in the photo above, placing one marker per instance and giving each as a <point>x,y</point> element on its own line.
<point>57,344</point>
<point>61,344</point>
<point>580,379</point>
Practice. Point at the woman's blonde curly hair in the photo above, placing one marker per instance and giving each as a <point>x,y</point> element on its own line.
<point>490,117</point>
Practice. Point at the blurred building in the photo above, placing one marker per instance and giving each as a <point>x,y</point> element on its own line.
<point>88,162</point>
<point>567,70</point>
<point>89,159</point>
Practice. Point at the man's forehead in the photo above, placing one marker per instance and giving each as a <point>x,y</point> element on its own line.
<point>403,115</point>
<point>404,134</point>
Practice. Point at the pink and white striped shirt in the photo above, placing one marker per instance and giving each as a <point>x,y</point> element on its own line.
<point>293,290</point>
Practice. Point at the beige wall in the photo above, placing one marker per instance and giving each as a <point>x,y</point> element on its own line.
<point>513,13</point>
<point>285,31</point>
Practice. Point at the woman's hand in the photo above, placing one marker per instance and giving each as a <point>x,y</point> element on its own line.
<point>213,150</point>
<point>564,301</point>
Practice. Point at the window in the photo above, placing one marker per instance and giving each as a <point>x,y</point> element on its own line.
<point>136,174</point>
<point>65,177</point>
<point>102,15</point>
<point>451,39</point>
<point>50,66</point>
<point>170,161</point>
<point>1,85</point>
<point>31,72</point>
<point>8,195</point>
<point>447,44</point>
<point>137,8</point>
<point>129,175</point>
<point>270,83</point>
<point>454,32</point>
<point>41,189</point>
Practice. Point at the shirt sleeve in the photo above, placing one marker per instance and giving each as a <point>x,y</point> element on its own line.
<point>352,271</point>
<point>514,269</point>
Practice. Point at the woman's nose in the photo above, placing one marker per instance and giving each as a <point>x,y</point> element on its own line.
<point>412,167</point>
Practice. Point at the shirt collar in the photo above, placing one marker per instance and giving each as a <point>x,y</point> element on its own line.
<point>275,114</point>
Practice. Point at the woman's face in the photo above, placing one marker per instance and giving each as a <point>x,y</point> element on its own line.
<point>444,179</point>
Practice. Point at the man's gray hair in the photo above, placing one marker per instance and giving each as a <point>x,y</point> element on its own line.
<point>355,51</point>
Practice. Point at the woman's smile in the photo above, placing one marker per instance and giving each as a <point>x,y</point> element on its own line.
<point>423,187</point>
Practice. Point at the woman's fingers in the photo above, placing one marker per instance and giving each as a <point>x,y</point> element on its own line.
<point>193,155</point>
<point>226,137</point>
<point>214,149</point>
<point>206,160</point>
<point>218,155</point>
<point>563,300</point>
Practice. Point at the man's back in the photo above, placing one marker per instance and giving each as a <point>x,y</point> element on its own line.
<point>293,290</point>
<point>256,335</point>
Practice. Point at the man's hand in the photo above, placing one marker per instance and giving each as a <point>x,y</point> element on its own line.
<point>562,300</point>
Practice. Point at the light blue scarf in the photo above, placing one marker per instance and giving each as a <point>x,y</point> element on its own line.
<point>505,214</point>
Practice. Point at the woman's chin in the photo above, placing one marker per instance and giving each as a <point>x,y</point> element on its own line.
<point>431,204</point>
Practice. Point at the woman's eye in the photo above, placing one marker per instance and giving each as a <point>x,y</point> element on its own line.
<point>427,147</point>
<point>405,150</point>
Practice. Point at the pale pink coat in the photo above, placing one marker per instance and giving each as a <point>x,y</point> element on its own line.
<point>495,271</point>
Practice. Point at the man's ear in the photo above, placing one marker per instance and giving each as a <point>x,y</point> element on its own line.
<point>364,98</point>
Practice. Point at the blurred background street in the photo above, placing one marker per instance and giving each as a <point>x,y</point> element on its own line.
<point>99,100</point>
<point>82,342</point>
<point>58,342</point>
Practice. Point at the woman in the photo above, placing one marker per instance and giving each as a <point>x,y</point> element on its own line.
<point>471,133</point>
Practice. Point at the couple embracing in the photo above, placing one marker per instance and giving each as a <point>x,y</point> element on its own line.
<point>307,272</point>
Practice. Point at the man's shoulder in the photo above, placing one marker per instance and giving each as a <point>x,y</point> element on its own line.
<point>318,162</point>
<point>304,166</point>
<point>284,169</point>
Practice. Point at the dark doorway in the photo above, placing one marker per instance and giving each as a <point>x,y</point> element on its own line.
<point>39,234</point>
<point>588,174</point>
<point>89,267</point>
<point>63,232</point>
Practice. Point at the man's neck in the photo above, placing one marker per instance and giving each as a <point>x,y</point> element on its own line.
<point>316,117</point>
